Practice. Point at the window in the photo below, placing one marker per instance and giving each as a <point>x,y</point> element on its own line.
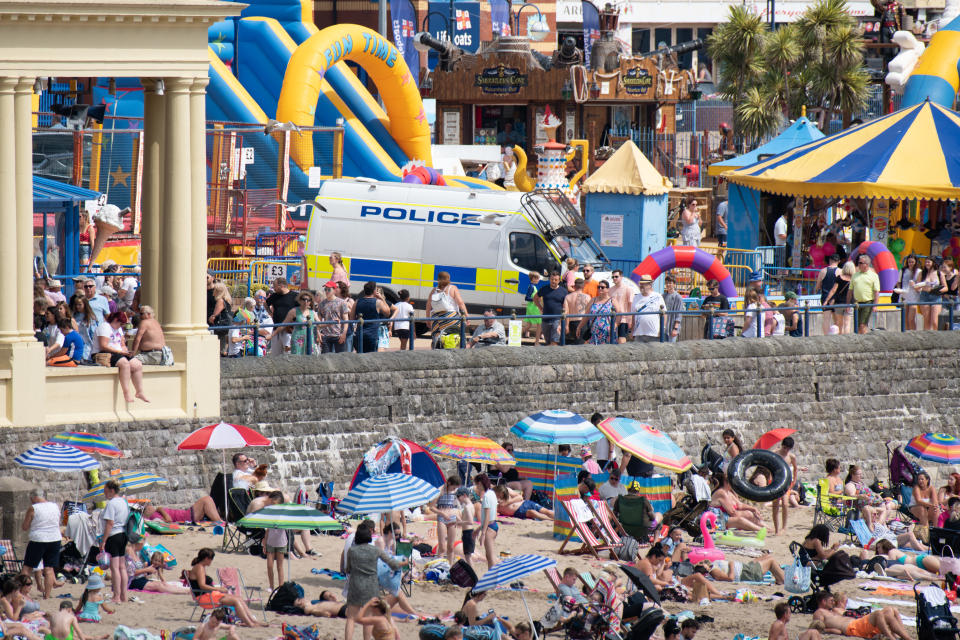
<point>529,252</point>
<point>684,36</point>
<point>662,38</point>
<point>641,40</point>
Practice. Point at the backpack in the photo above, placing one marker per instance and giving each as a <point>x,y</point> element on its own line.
<point>134,528</point>
<point>463,575</point>
<point>628,549</point>
<point>283,597</point>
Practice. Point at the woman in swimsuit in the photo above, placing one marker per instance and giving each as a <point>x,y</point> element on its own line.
<point>733,443</point>
<point>376,614</point>
<point>834,480</point>
<point>471,607</point>
<point>817,543</point>
<point>929,565</point>
<point>732,513</point>
<point>925,505</point>
<point>486,533</point>
<point>205,593</point>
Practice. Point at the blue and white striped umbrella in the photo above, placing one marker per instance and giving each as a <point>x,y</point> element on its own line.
<point>388,492</point>
<point>513,568</point>
<point>556,427</point>
<point>56,457</point>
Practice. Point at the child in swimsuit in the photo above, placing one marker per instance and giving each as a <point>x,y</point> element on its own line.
<point>215,622</point>
<point>63,625</point>
<point>92,601</point>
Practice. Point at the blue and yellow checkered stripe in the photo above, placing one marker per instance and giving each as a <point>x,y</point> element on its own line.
<point>415,274</point>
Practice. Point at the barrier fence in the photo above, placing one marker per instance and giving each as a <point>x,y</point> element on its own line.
<point>355,327</point>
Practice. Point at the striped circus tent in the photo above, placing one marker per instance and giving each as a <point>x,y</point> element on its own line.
<point>556,426</point>
<point>130,482</point>
<point>388,492</point>
<point>295,517</point>
<point>911,154</point>
<point>56,457</point>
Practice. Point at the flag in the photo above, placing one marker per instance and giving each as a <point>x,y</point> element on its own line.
<point>404,21</point>
<point>500,17</point>
<point>463,20</point>
<point>591,29</point>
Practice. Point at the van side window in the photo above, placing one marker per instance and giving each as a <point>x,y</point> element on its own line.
<point>529,252</point>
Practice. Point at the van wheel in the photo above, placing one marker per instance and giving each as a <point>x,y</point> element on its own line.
<point>390,296</point>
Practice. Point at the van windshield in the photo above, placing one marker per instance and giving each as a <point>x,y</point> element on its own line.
<point>530,253</point>
<point>583,249</point>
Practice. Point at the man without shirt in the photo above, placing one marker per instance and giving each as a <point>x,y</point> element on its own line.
<point>623,293</point>
<point>885,622</point>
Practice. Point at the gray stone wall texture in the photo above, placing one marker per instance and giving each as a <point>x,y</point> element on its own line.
<point>846,395</point>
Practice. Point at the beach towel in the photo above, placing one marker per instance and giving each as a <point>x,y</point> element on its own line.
<point>163,528</point>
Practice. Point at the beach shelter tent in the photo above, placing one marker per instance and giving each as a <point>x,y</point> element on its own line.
<point>910,154</point>
<point>396,455</point>
<point>626,205</point>
<point>744,202</point>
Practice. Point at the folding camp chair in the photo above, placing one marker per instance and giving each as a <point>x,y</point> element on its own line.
<point>634,517</point>
<point>240,539</point>
<point>581,519</point>
<point>198,601</point>
<point>11,561</point>
<point>405,549</point>
<point>232,579</point>
<point>833,510</point>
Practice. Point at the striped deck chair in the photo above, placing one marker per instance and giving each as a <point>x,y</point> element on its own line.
<point>553,576</point>
<point>11,562</point>
<point>609,603</point>
<point>610,526</point>
<point>580,519</point>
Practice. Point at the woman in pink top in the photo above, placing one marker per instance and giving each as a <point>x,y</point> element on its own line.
<point>339,272</point>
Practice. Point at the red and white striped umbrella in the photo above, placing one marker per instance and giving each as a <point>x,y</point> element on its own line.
<point>224,436</point>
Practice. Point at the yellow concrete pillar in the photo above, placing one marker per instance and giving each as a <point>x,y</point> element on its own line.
<point>8,214</point>
<point>23,142</point>
<point>198,220</point>
<point>176,241</point>
<point>153,127</point>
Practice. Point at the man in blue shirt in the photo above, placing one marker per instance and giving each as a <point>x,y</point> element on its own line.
<point>549,300</point>
<point>98,303</point>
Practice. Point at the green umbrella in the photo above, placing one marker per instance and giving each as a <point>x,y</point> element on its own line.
<point>292,517</point>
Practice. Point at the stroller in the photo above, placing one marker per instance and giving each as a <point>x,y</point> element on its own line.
<point>934,620</point>
<point>903,473</point>
<point>837,569</point>
<point>686,515</point>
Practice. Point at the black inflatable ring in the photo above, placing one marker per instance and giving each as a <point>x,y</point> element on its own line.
<point>777,466</point>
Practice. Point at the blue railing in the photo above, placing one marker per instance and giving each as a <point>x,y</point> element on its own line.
<point>568,322</point>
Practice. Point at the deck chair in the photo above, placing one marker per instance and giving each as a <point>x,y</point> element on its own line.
<point>240,539</point>
<point>610,525</point>
<point>232,579</point>
<point>587,579</point>
<point>195,594</point>
<point>11,561</point>
<point>553,577</point>
<point>405,548</point>
<point>832,509</point>
<point>581,519</point>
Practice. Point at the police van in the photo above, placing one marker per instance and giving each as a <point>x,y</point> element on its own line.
<point>402,235</point>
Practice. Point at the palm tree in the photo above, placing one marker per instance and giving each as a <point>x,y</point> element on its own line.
<point>738,45</point>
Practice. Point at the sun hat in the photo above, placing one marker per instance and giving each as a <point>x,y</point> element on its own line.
<point>645,279</point>
<point>585,452</point>
<point>95,582</point>
<point>263,486</point>
<point>789,295</point>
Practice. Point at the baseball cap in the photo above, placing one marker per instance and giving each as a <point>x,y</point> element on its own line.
<point>756,276</point>
<point>332,284</point>
<point>789,295</point>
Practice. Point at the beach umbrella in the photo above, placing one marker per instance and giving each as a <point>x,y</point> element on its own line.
<point>642,582</point>
<point>87,442</point>
<point>646,442</point>
<point>130,482</point>
<point>470,448</point>
<point>56,457</point>
<point>396,455</point>
<point>511,569</point>
<point>556,426</point>
<point>290,517</point>
<point>388,492</point>
<point>906,155</point>
<point>772,437</point>
<point>935,447</point>
<point>222,436</point>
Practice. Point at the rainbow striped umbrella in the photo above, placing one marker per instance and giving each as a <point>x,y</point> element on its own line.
<point>646,442</point>
<point>471,448</point>
<point>935,447</point>
<point>556,426</point>
<point>87,442</point>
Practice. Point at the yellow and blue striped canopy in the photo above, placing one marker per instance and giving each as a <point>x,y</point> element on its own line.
<point>913,153</point>
<point>130,482</point>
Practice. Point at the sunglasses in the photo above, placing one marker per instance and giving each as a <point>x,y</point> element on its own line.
<point>602,286</point>
<point>89,286</point>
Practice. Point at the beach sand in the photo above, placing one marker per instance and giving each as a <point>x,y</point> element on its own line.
<point>161,611</point>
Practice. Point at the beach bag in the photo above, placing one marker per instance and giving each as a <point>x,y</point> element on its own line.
<point>103,560</point>
<point>283,597</point>
<point>949,564</point>
<point>628,549</point>
<point>796,578</point>
<point>126,633</point>
<point>388,578</point>
<point>463,575</point>
<point>450,341</point>
<point>295,632</point>
<point>838,567</point>
<point>134,528</point>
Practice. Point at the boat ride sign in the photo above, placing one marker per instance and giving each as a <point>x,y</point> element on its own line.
<point>500,80</point>
<point>637,81</point>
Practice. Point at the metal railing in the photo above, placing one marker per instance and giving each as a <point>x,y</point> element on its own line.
<point>354,327</point>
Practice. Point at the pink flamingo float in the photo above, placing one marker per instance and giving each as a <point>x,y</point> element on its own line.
<point>707,551</point>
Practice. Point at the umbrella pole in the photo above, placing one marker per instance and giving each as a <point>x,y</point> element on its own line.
<point>226,505</point>
<point>533,629</point>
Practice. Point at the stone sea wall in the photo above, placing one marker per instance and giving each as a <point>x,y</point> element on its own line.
<point>846,395</point>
